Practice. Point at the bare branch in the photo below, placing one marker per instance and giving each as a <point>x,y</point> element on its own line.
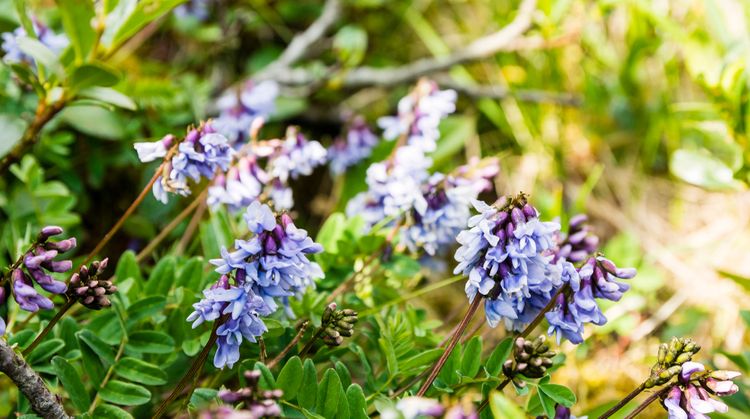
<point>43,402</point>
<point>502,40</point>
<point>302,42</point>
<point>525,95</point>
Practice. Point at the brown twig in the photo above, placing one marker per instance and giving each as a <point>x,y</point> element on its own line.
<point>539,317</point>
<point>194,369</point>
<point>59,315</point>
<point>486,401</point>
<point>302,328</point>
<point>624,401</point>
<point>193,225</point>
<point>42,401</point>
<point>641,407</point>
<point>309,345</point>
<point>452,344</point>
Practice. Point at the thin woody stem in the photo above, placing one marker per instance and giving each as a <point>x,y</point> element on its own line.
<point>486,401</point>
<point>128,212</point>
<point>452,344</point>
<point>311,342</point>
<point>302,328</point>
<point>539,317</point>
<point>59,315</point>
<point>192,371</point>
<point>624,401</point>
<point>641,407</point>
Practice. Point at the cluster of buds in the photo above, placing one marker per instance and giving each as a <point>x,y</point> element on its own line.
<point>690,396</point>
<point>580,242</point>
<point>671,357</point>
<point>336,324</point>
<point>88,289</point>
<point>256,403</point>
<point>530,358</point>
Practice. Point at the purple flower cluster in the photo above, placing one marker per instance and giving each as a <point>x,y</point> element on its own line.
<point>419,115</point>
<point>506,254</point>
<point>13,54</point>
<point>200,155</point>
<point>238,109</point>
<point>272,265</point>
<point>596,279</point>
<point>691,398</point>
<point>394,187</point>
<point>196,9</point>
<point>434,227</point>
<point>248,182</point>
<point>579,243</point>
<point>35,267</point>
<point>354,147</point>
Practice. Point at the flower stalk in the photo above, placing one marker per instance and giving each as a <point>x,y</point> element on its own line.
<point>452,344</point>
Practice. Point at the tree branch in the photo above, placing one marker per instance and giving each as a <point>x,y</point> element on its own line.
<point>525,95</point>
<point>502,40</point>
<point>302,42</point>
<point>43,402</point>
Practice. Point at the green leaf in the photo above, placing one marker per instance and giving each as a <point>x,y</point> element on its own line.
<point>26,23</point>
<point>145,12</point>
<point>77,16</point>
<point>502,407</point>
<point>559,393</point>
<point>150,342</point>
<point>127,267</point>
<point>498,356</point>
<point>45,351</point>
<point>344,375</point>
<point>12,128</point>
<point>455,130</point>
<point>471,358</point>
<point>191,274</point>
<point>146,307</point>
<point>390,356</point>
<point>308,397</point>
<point>110,96</point>
<point>111,412</point>
<point>331,232</point>
<point>267,381</point>
<point>329,392</point>
<point>421,359</point>
<point>203,396</point>
<point>702,169</point>
<point>162,278</point>
<point>104,351</point>
<point>71,382</point>
<point>357,402</point>
<point>140,372</point>
<point>350,44</point>
<point>41,54</point>
<point>125,394</point>
<point>95,121</point>
<point>290,378</point>
<point>93,74</point>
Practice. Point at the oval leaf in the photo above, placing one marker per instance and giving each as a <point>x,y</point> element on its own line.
<point>125,394</point>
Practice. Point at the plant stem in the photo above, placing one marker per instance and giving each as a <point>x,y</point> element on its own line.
<point>169,227</point>
<point>194,369</point>
<point>452,344</point>
<point>42,115</point>
<point>311,342</point>
<point>193,225</point>
<point>59,315</point>
<point>486,401</point>
<point>624,401</point>
<point>107,376</point>
<point>302,328</point>
<point>641,407</point>
<point>539,317</point>
<point>128,212</point>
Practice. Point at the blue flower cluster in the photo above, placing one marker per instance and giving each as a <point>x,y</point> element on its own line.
<point>506,254</point>
<point>195,9</point>
<point>434,227</point>
<point>34,268</point>
<point>238,109</point>
<point>419,115</point>
<point>13,54</point>
<point>248,182</point>
<point>200,155</point>
<point>270,267</point>
<point>354,147</point>
<point>597,278</point>
<point>579,243</point>
<point>394,187</point>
